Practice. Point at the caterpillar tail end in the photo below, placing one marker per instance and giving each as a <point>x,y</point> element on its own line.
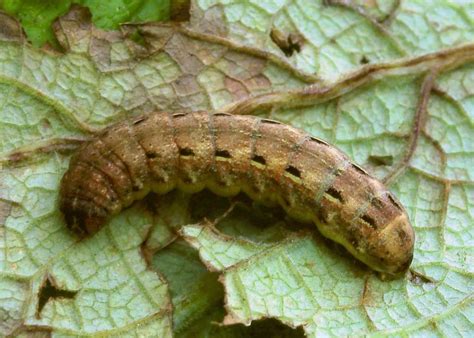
<point>83,225</point>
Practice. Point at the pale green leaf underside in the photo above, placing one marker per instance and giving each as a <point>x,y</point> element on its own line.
<point>339,38</point>
<point>124,280</point>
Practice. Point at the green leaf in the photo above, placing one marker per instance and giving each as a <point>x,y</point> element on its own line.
<point>390,83</point>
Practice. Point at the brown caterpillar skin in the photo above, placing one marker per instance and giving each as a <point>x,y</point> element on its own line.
<point>271,162</point>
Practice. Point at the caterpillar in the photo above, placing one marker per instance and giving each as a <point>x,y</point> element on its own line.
<point>271,162</point>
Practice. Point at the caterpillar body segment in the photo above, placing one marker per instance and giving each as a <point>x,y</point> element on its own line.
<point>271,162</point>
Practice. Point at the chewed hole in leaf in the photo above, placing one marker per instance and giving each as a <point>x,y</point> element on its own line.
<point>49,290</point>
<point>378,92</point>
<point>364,60</point>
<point>380,160</point>
<point>270,328</point>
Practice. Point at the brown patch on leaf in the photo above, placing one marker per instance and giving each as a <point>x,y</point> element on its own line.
<point>147,39</point>
<point>16,157</point>
<point>242,73</point>
<point>180,10</point>
<point>33,331</point>
<point>31,152</point>
<point>210,21</point>
<point>75,32</point>
<point>191,57</point>
<point>74,29</point>
<point>187,53</point>
<point>10,29</point>
<point>186,85</point>
<point>236,88</point>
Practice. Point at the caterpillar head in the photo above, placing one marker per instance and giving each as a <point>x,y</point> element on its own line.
<point>390,250</point>
<point>376,230</point>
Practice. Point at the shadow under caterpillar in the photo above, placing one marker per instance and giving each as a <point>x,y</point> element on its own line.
<point>271,162</point>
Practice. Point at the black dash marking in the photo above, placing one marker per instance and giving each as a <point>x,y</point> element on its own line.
<point>369,220</point>
<point>293,171</point>
<point>222,114</point>
<point>222,153</point>
<point>335,194</point>
<point>178,115</point>
<point>140,120</point>
<point>268,121</point>
<point>317,140</point>
<point>186,152</point>
<point>151,154</point>
<point>394,201</point>
<point>359,169</point>
<point>259,159</point>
